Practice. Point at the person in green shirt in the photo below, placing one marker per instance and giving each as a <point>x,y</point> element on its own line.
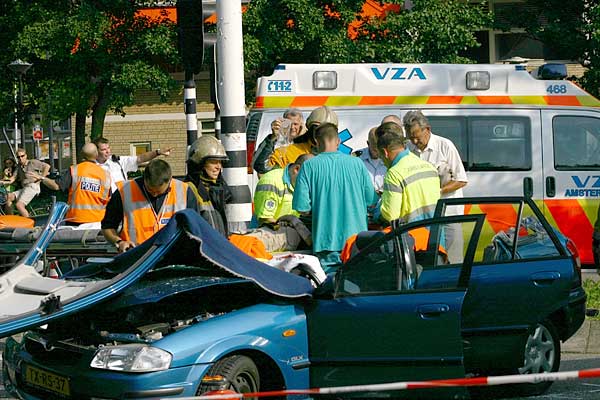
<point>337,189</point>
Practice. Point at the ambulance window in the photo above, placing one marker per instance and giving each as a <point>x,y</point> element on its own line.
<point>499,144</point>
<point>576,143</point>
<point>453,128</point>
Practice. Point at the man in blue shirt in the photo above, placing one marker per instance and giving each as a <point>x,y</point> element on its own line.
<point>337,189</point>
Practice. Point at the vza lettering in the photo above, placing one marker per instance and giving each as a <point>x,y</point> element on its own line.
<point>588,186</point>
<point>398,73</point>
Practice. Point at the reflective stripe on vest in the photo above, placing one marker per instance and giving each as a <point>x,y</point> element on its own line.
<point>411,190</point>
<point>272,183</point>
<point>88,194</point>
<point>140,221</point>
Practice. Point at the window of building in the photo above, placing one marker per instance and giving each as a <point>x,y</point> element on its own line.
<point>140,148</point>
<point>576,143</point>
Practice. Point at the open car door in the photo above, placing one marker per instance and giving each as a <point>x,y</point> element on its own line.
<point>395,312</point>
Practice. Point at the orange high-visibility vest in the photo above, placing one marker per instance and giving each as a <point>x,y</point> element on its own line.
<point>140,221</point>
<point>88,194</point>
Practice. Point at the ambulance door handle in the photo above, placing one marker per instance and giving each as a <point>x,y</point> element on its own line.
<point>550,186</point>
<point>528,187</point>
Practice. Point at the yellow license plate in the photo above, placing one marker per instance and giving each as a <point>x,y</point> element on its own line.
<point>47,380</point>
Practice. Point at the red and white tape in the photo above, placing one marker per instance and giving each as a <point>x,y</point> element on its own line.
<point>479,381</point>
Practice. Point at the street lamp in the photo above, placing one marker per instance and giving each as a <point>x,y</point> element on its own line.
<point>19,68</point>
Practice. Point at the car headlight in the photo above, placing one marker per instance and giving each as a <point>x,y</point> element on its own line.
<point>131,358</point>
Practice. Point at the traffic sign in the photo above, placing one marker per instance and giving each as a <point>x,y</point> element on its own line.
<point>38,133</point>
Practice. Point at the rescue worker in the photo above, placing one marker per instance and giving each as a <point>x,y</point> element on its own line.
<point>370,157</point>
<point>411,186</point>
<point>144,205</point>
<point>444,156</point>
<point>88,187</point>
<point>205,178</point>
<point>279,228</point>
<point>268,158</point>
<point>119,166</point>
<point>337,189</point>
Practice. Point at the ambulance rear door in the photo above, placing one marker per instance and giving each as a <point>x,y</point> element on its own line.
<point>572,173</point>
<point>500,148</point>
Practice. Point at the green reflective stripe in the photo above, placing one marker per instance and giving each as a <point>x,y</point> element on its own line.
<point>271,188</point>
<point>426,211</point>
<point>390,187</point>
<point>418,176</point>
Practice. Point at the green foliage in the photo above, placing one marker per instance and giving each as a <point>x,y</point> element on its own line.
<point>434,31</point>
<point>592,289</point>
<point>304,31</point>
<point>90,56</point>
<point>570,29</point>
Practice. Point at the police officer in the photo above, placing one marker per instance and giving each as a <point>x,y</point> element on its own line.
<point>411,186</point>
<point>205,165</point>
<point>88,186</point>
<point>144,205</point>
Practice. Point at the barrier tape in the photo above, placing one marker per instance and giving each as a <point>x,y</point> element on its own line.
<point>479,381</point>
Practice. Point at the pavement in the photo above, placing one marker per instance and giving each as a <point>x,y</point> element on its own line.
<point>586,340</point>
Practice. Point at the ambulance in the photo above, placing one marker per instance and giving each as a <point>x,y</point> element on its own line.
<point>518,133</point>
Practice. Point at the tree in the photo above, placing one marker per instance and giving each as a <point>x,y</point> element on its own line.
<point>304,31</point>
<point>90,56</point>
<point>431,31</point>
<point>295,31</point>
<point>571,30</point>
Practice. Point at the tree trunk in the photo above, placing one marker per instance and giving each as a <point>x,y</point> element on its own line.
<point>80,117</point>
<point>99,110</point>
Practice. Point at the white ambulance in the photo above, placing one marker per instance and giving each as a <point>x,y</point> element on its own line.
<point>518,133</point>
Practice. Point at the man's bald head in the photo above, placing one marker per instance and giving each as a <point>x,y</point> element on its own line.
<point>392,118</point>
<point>89,151</point>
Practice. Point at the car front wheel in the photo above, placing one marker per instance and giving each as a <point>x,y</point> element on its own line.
<point>240,372</point>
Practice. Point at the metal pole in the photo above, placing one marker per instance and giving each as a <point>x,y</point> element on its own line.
<point>16,130</point>
<point>21,113</point>
<point>230,63</point>
<point>189,105</point>
<point>50,138</point>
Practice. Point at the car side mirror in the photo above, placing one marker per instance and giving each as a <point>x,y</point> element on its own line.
<point>326,290</point>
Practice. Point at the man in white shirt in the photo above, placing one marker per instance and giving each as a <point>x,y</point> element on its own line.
<point>370,157</point>
<point>444,156</point>
<point>119,166</point>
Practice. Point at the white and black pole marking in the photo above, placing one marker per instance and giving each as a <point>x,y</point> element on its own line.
<point>189,106</point>
<point>230,76</point>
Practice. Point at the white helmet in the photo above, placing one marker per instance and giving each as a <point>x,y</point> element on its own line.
<point>321,115</point>
<point>207,147</point>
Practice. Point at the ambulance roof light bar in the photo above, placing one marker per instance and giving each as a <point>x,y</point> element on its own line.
<point>550,72</point>
<point>324,80</point>
<point>478,80</point>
